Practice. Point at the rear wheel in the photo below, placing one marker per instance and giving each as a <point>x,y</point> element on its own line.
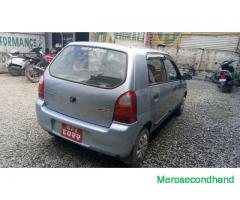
<point>139,150</point>
<point>32,74</point>
<point>226,88</point>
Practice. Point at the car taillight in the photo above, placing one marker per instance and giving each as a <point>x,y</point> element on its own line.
<point>222,74</point>
<point>41,87</point>
<point>126,108</point>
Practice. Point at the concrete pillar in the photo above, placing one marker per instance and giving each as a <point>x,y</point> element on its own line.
<point>48,40</point>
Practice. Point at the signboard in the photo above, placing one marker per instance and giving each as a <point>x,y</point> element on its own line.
<point>23,42</point>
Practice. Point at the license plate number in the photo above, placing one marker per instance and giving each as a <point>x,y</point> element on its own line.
<point>72,133</point>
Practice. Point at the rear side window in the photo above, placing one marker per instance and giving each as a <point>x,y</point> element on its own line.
<point>91,66</point>
<point>172,73</point>
<point>156,71</point>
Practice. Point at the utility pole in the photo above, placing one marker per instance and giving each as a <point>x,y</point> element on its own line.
<point>238,45</point>
<point>145,39</point>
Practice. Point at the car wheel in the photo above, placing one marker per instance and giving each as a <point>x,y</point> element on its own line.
<point>139,150</point>
<point>180,108</point>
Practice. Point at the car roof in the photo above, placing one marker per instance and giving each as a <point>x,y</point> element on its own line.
<point>134,50</point>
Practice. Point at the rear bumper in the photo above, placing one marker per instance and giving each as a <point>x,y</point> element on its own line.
<point>117,140</point>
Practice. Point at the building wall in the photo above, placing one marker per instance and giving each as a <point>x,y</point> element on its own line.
<point>156,39</point>
<point>204,51</point>
<point>102,37</point>
<point>218,42</point>
<point>23,42</point>
<point>122,38</point>
<point>130,38</point>
<point>203,60</point>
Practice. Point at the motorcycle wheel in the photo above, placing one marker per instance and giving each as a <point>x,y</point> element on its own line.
<point>226,88</point>
<point>229,89</point>
<point>32,74</point>
<point>14,72</point>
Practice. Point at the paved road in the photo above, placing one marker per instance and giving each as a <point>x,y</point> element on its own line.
<point>206,135</point>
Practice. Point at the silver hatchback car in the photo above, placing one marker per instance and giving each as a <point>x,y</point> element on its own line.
<point>109,98</point>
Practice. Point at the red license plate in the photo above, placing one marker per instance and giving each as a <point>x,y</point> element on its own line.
<point>72,133</point>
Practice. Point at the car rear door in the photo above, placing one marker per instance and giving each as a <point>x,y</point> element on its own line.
<point>159,89</point>
<point>174,82</point>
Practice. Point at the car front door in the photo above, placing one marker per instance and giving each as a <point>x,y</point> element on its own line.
<point>159,89</point>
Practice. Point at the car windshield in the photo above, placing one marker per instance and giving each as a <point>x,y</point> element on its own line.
<point>91,66</point>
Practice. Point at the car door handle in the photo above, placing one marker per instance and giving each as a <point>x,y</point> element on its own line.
<point>156,98</point>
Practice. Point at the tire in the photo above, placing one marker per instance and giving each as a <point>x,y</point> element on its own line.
<point>32,74</point>
<point>226,88</point>
<point>14,72</point>
<point>139,150</point>
<point>180,108</point>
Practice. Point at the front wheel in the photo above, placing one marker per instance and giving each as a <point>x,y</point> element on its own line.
<point>32,74</point>
<point>13,71</point>
<point>139,150</point>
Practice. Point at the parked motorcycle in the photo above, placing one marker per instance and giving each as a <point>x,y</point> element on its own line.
<point>37,64</point>
<point>225,65</point>
<point>225,76</point>
<point>190,73</point>
<point>15,63</point>
<point>187,76</point>
<point>225,80</point>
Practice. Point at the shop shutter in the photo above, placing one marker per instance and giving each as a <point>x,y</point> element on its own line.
<point>222,42</point>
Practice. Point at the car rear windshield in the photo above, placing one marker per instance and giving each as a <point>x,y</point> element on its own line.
<point>93,66</point>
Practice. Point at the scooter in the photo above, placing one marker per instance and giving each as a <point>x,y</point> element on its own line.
<point>15,63</point>
<point>225,76</point>
<point>225,65</point>
<point>225,80</point>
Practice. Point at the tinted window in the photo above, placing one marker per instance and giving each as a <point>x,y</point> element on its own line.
<point>92,66</point>
<point>170,69</point>
<point>156,71</point>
